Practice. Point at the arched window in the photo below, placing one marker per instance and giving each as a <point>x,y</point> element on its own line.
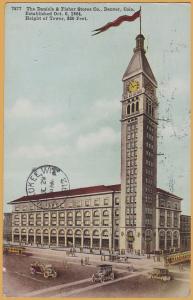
<point>78,232</point>
<point>61,232</point>
<point>105,213</point>
<point>137,106</point>
<point>87,213</point>
<point>53,231</point>
<point>69,232</point>
<point>133,108</point>
<point>86,232</point>
<point>95,233</point>
<point>96,213</point>
<point>105,233</point>
<point>69,214</point>
<point>128,109</point>
<point>130,233</point>
<point>45,231</point>
<point>78,214</point>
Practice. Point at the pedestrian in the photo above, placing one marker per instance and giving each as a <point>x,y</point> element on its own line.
<point>130,268</point>
<point>82,261</point>
<point>154,258</point>
<point>85,261</point>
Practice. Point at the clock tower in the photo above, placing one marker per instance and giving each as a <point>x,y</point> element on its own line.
<point>138,154</point>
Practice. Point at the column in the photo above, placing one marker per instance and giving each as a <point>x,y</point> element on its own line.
<point>49,221</point>
<point>110,241</point>
<point>165,218</point>
<point>172,214</point>
<point>49,237</point>
<point>57,242</point>
<point>157,240</point>
<point>172,241</point>
<point>165,240</point>
<point>12,235</point>
<point>179,239</point>
<point>91,241</point>
<point>27,236</point>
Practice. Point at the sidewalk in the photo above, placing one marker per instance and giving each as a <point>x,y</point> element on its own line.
<point>94,259</point>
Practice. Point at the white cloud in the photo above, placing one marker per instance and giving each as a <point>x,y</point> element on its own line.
<point>59,130</point>
<point>25,108</point>
<point>99,138</point>
<point>40,152</point>
<point>104,108</point>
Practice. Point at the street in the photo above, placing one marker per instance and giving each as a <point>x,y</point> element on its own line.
<point>74,280</point>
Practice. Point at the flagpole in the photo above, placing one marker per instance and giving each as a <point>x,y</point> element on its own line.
<point>140,19</point>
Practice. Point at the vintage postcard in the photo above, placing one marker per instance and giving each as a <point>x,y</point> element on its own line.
<point>96,184</point>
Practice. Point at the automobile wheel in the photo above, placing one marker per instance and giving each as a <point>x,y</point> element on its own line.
<point>54,274</point>
<point>46,275</point>
<point>32,271</point>
<point>102,280</point>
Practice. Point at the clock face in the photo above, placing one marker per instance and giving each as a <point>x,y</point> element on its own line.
<point>133,86</point>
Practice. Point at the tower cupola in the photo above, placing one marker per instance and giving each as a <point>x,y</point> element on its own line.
<point>140,43</point>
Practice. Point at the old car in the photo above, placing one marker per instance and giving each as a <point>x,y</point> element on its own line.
<point>104,272</point>
<point>161,273</point>
<point>45,269</point>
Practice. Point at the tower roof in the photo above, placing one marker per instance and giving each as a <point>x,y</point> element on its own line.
<point>139,63</point>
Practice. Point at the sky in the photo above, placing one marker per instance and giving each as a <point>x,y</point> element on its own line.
<point>63,89</point>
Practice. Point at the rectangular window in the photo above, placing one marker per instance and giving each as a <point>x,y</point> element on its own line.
<point>87,202</point>
<point>105,222</point>
<point>78,222</point>
<point>69,223</point>
<point>116,221</point>
<point>106,201</point>
<point>116,201</point>
<point>96,222</point>
<point>87,223</point>
<point>96,202</point>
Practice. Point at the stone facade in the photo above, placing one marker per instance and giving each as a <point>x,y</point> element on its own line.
<point>80,218</point>
<point>138,153</point>
<point>168,211</point>
<point>185,232</point>
<point>7,225</point>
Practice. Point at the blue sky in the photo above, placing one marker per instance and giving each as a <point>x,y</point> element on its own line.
<point>63,89</point>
